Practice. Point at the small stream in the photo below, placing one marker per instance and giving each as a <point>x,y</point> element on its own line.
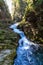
<point>28,53</point>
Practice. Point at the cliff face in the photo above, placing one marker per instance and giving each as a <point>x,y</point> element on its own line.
<point>34,17</point>
<point>4,13</point>
<point>19,9</point>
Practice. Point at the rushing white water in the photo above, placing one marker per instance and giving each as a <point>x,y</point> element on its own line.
<point>27,52</point>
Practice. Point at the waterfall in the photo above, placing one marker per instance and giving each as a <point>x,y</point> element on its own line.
<point>27,51</point>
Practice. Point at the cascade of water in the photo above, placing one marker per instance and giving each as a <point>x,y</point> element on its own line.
<point>27,52</point>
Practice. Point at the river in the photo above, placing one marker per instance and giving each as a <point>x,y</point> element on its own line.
<point>28,53</point>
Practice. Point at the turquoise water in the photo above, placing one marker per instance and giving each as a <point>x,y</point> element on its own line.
<point>28,53</point>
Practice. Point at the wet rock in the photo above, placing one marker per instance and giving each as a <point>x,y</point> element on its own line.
<point>6,56</point>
